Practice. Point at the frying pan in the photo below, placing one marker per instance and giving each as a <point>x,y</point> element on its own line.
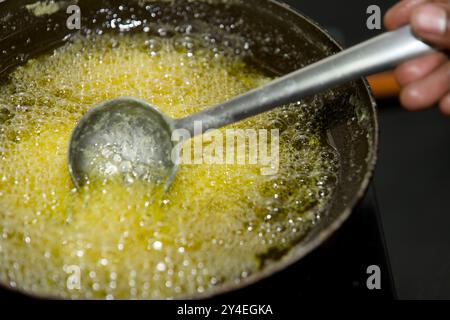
<point>282,40</point>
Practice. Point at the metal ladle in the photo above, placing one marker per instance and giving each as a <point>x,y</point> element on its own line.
<point>132,138</point>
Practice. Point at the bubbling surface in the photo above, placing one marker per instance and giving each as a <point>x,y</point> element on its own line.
<point>217,224</point>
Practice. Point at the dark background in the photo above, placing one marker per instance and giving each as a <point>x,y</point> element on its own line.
<point>413,175</point>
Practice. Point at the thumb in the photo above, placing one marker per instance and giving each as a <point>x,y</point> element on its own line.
<point>431,23</point>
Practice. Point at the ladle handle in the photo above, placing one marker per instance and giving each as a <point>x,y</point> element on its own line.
<point>372,56</point>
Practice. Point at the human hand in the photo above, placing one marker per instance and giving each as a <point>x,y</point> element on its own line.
<point>425,81</point>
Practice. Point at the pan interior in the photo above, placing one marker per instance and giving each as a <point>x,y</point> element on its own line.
<point>337,125</point>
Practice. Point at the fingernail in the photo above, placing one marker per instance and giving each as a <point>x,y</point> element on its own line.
<point>431,19</point>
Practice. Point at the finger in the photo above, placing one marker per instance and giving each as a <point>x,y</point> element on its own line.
<point>431,23</point>
<point>427,91</point>
<point>418,68</point>
<point>399,14</point>
<point>445,104</point>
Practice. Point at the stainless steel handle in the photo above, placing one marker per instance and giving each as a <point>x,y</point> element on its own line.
<point>372,56</point>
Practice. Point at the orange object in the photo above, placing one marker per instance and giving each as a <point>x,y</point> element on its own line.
<point>384,85</point>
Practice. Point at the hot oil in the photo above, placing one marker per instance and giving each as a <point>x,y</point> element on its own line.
<point>217,224</point>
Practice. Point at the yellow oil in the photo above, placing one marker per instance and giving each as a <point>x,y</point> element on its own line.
<point>112,240</point>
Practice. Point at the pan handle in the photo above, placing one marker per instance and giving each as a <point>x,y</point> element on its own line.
<point>384,85</point>
<point>375,55</point>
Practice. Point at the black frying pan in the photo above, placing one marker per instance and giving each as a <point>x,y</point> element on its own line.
<point>348,113</point>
